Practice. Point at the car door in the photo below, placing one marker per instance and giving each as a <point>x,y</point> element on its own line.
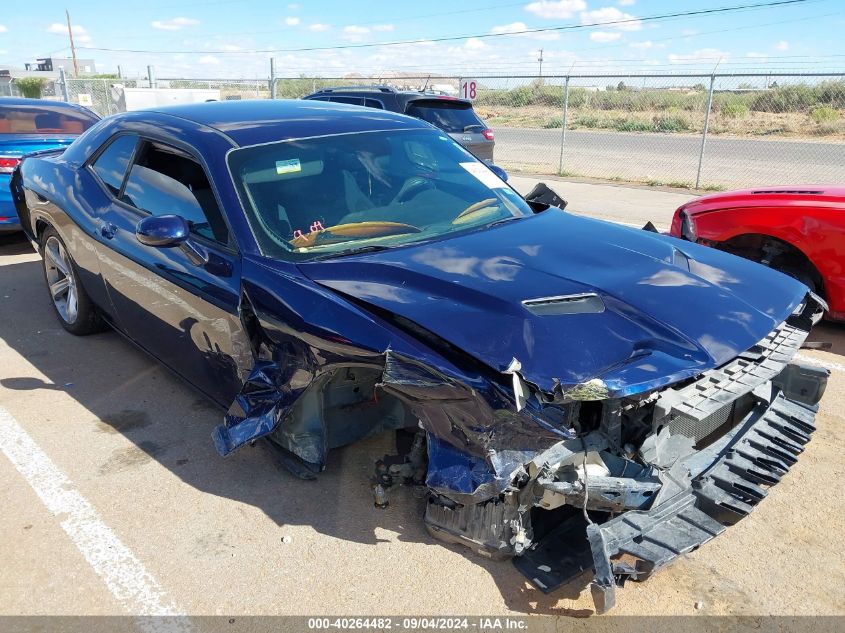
<point>183,312</point>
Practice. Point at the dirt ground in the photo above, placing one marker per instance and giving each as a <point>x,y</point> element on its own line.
<point>241,536</point>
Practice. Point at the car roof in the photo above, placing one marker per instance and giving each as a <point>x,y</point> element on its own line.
<point>779,195</point>
<point>370,91</point>
<point>22,101</point>
<point>270,120</point>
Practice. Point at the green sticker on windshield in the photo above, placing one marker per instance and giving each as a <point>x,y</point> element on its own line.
<point>288,166</point>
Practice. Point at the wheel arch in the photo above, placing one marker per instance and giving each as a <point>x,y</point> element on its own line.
<point>773,251</point>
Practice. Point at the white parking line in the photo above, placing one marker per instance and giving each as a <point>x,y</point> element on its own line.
<point>820,363</point>
<point>131,585</point>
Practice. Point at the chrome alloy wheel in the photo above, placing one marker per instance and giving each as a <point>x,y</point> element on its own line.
<point>61,280</point>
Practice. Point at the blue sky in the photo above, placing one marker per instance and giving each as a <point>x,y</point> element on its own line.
<point>216,38</point>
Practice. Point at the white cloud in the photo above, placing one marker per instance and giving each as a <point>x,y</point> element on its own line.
<point>513,27</point>
<point>291,21</point>
<point>80,35</point>
<point>176,24</point>
<point>604,37</point>
<point>753,55</point>
<point>518,27</point>
<point>383,27</point>
<point>783,45</point>
<point>701,55</point>
<point>3,28</point>
<point>232,48</point>
<point>556,9</point>
<point>317,27</point>
<point>689,32</point>
<point>294,7</point>
<point>611,14</point>
<point>643,45</point>
<point>355,33</point>
<point>626,3</point>
<point>474,44</point>
<point>209,60</point>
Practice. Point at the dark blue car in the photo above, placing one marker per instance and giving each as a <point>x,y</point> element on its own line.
<point>30,125</point>
<point>572,393</point>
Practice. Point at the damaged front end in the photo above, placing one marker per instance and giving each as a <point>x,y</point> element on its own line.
<point>640,480</point>
<point>596,428</point>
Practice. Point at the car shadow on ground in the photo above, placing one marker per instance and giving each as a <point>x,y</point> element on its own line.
<point>129,393</point>
<point>14,244</point>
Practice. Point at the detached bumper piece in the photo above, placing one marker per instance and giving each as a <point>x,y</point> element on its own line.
<point>756,455</point>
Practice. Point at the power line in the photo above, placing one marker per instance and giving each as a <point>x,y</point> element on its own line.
<point>570,27</point>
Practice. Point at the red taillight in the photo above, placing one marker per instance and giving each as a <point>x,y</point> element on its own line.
<point>8,164</point>
<point>488,134</point>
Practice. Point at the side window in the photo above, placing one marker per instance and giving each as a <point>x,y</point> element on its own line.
<point>111,165</point>
<point>349,100</point>
<point>373,103</point>
<point>165,180</point>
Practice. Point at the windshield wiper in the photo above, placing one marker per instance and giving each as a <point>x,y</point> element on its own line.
<point>371,248</point>
<point>467,128</point>
<point>503,220</point>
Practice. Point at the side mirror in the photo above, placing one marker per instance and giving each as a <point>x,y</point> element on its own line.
<point>501,173</point>
<point>165,231</point>
<point>162,231</point>
<point>541,197</point>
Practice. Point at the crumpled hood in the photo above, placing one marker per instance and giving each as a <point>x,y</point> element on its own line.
<point>669,309</point>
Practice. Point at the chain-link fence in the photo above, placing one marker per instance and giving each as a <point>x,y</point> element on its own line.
<point>706,131</point>
<point>693,131</point>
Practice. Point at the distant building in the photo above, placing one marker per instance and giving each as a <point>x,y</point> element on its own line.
<point>53,64</point>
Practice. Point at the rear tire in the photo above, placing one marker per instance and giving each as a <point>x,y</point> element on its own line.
<point>73,306</point>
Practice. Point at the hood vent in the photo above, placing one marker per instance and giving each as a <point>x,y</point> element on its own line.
<point>585,303</point>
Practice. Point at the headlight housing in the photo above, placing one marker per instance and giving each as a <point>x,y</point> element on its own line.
<point>688,228</point>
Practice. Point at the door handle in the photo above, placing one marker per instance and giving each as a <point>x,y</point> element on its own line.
<point>107,230</point>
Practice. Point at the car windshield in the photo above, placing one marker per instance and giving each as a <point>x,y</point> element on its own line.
<point>325,196</point>
<point>44,119</point>
<point>451,116</point>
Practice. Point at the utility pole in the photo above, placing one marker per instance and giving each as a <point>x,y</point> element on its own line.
<point>540,59</point>
<point>72,47</point>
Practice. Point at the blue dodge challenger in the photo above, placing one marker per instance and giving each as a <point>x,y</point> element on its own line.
<point>571,393</point>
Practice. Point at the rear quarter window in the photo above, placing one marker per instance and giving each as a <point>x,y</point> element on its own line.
<point>112,163</point>
<point>359,101</point>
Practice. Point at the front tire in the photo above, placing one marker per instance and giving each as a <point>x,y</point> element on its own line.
<point>73,306</point>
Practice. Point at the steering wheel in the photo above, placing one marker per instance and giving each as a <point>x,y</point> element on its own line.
<point>359,230</point>
<point>486,205</point>
<point>413,186</point>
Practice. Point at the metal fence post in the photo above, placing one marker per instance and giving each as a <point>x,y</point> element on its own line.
<point>563,124</point>
<point>706,128</point>
<point>151,75</point>
<point>63,80</point>
<point>272,78</point>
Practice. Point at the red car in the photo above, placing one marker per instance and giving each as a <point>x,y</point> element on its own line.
<point>797,230</point>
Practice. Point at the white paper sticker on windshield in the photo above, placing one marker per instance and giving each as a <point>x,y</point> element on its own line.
<point>288,166</point>
<point>486,176</point>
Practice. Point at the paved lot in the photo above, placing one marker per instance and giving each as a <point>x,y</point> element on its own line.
<point>732,162</point>
<point>170,527</point>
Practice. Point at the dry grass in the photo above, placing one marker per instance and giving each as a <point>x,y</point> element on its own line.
<point>730,123</point>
